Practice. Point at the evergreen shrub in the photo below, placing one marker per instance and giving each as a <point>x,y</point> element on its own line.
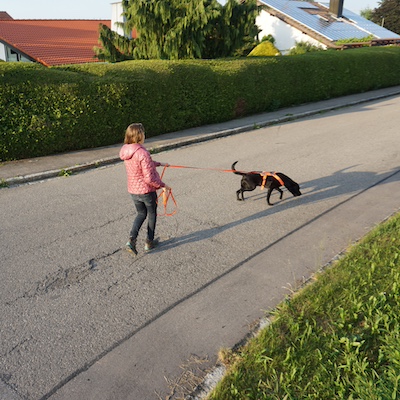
<point>265,49</point>
<point>51,110</point>
<point>302,48</point>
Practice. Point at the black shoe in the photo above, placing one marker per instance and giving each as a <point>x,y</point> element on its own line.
<point>151,244</point>
<point>131,247</point>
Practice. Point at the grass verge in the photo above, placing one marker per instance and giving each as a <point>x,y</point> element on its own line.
<point>338,338</point>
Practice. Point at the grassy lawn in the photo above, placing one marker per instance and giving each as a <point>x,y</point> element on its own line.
<point>338,338</point>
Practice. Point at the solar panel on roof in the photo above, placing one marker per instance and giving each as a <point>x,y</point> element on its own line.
<point>303,4</point>
<point>332,29</point>
<point>376,30</point>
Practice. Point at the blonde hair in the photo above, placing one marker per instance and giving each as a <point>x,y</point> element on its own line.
<point>134,134</point>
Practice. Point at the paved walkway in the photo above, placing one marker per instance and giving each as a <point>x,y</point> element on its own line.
<point>39,168</point>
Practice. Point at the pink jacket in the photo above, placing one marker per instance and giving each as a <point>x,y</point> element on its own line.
<point>140,169</point>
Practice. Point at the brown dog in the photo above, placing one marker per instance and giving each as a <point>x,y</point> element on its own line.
<point>250,180</point>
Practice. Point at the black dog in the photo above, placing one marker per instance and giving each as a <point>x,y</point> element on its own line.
<point>250,180</point>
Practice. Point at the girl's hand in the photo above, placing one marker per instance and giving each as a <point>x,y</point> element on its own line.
<point>166,188</point>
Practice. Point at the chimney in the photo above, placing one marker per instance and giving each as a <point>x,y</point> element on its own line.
<point>336,8</point>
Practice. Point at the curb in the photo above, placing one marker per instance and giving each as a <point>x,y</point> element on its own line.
<point>186,142</point>
<point>40,176</point>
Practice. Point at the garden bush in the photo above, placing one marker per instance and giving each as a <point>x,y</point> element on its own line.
<point>50,110</point>
<point>265,49</point>
<point>302,48</point>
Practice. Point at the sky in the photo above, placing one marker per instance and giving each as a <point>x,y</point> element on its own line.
<point>101,9</point>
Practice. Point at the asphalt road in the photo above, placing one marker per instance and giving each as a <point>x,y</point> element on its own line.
<point>82,319</point>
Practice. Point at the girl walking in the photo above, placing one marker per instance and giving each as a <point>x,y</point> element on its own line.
<point>143,182</point>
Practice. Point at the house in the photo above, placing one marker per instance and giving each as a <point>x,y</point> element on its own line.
<point>290,21</point>
<point>49,42</point>
<point>318,23</point>
<point>57,42</point>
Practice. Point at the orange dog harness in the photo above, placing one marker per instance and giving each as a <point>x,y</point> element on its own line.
<point>265,175</point>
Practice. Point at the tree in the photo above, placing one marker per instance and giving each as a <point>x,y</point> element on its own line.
<point>366,13</point>
<point>179,29</point>
<point>388,15</point>
<point>114,46</point>
<point>234,32</point>
<point>169,29</point>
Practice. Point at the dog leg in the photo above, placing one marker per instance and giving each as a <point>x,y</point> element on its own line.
<point>268,196</point>
<point>238,192</point>
<point>281,192</point>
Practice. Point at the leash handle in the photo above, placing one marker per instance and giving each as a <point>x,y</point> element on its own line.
<point>165,198</point>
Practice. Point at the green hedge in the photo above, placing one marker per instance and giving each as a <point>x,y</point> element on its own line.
<point>50,110</point>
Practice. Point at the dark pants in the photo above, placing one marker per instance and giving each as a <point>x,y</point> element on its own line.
<point>146,206</point>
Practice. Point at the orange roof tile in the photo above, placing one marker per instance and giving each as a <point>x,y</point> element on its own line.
<point>53,42</point>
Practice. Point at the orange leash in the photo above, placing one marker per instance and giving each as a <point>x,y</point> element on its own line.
<point>165,198</point>
<point>208,169</point>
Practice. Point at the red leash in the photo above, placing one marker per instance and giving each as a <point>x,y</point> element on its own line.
<point>208,169</point>
<point>166,195</point>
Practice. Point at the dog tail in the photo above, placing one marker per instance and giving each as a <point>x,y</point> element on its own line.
<point>234,169</point>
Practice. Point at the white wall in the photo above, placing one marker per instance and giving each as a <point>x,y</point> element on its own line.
<point>285,35</point>
<point>2,52</point>
<point>116,16</point>
<point>9,55</point>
